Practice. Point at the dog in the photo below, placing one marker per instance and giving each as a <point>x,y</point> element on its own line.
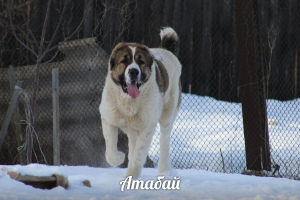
<point>142,88</point>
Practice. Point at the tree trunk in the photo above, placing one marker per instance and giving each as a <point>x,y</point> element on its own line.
<point>252,92</point>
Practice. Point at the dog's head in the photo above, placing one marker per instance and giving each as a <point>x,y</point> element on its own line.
<point>130,67</point>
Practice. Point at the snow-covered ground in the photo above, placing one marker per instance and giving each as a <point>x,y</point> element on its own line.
<point>105,184</point>
<point>207,130</point>
<point>208,134</point>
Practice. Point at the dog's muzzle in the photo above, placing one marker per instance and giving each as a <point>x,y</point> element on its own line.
<point>133,82</point>
<point>134,74</point>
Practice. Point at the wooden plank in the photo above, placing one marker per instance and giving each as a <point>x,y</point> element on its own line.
<point>43,182</point>
<point>185,52</point>
<point>200,67</point>
<point>56,128</point>
<point>9,113</point>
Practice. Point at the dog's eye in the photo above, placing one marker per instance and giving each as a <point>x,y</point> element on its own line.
<point>124,61</point>
<point>140,62</point>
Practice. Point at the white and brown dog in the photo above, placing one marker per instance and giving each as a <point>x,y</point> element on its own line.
<point>142,88</point>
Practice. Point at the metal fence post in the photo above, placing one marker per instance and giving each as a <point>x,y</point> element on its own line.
<point>56,130</point>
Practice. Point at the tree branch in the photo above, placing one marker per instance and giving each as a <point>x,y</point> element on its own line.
<point>15,34</point>
<point>40,53</point>
<point>33,37</point>
<point>56,30</point>
<point>76,30</point>
<point>50,59</point>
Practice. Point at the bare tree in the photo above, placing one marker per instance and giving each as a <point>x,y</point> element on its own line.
<point>40,49</point>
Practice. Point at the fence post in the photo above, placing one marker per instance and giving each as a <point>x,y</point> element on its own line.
<point>260,54</point>
<point>9,113</point>
<point>56,130</point>
<point>252,91</point>
<point>16,115</point>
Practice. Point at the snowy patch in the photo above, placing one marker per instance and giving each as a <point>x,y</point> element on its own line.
<point>206,127</point>
<point>195,184</point>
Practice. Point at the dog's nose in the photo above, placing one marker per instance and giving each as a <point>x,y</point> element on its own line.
<point>133,72</point>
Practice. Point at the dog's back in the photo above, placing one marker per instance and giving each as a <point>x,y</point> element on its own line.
<point>169,67</point>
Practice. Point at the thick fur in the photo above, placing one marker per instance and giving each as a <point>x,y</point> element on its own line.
<point>169,40</point>
<point>159,99</point>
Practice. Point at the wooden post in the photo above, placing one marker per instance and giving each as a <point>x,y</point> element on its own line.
<point>260,54</point>
<point>56,130</point>
<point>252,86</point>
<point>11,108</point>
<point>16,115</point>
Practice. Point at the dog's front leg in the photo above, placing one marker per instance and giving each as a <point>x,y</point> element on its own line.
<point>140,152</point>
<point>132,136</point>
<point>110,133</point>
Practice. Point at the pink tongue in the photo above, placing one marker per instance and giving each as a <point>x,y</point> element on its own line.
<point>133,91</point>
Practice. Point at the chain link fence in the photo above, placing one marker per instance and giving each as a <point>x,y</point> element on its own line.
<point>209,132</point>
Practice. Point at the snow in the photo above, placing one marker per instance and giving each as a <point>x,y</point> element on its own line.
<point>105,182</point>
<point>207,135</point>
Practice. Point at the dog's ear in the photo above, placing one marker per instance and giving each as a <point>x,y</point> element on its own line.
<point>113,54</point>
<point>112,60</point>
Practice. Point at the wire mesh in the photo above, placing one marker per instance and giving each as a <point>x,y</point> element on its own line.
<point>208,133</point>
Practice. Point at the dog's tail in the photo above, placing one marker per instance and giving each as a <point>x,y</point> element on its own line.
<point>169,40</point>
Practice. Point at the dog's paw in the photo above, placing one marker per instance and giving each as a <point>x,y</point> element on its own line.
<point>115,159</point>
<point>135,173</point>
